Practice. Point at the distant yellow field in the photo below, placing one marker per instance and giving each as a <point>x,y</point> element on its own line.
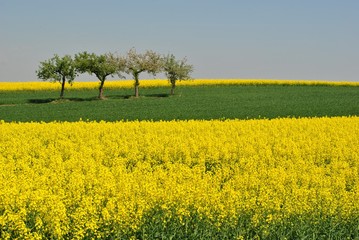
<point>13,86</point>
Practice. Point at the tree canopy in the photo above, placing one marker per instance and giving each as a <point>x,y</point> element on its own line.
<point>64,69</point>
<point>58,69</point>
<point>176,70</point>
<point>101,66</point>
<point>136,63</point>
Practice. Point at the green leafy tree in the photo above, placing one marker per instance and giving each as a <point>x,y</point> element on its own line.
<point>136,63</point>
<point>176,70</point>
<point>101,66</point>
<point>58,69</point>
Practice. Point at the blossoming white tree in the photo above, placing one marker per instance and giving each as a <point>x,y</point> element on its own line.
<point>176,70</point>
<point>137,63</point>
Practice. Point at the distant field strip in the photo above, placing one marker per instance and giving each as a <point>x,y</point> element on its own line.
<point>236,179</point>
<point>13,86</point>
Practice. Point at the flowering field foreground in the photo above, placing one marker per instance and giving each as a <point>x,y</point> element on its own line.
<point>281,178</point>
<point>13,86</point>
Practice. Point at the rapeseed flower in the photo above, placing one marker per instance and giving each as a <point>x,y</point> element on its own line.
<point>98,179</point>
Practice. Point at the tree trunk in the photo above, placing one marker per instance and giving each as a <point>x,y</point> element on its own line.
<point>173,89</point>
<point>136,91</point>
<point>137,83</point>
<point>62,87</point>
<point>100,95</point>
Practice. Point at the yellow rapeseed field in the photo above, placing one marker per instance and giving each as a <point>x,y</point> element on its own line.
<point>14,86</point>
<point>100,179</point>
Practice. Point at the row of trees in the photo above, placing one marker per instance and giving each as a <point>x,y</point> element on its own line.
<point>66,69</point>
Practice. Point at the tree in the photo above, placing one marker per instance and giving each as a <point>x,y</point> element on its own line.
<point>101,66</point>
<point>136,63</point>
<point>176,70</point>
<point>58,69</point>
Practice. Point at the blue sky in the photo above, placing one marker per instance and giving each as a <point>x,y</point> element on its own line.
<point>277,39</point>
